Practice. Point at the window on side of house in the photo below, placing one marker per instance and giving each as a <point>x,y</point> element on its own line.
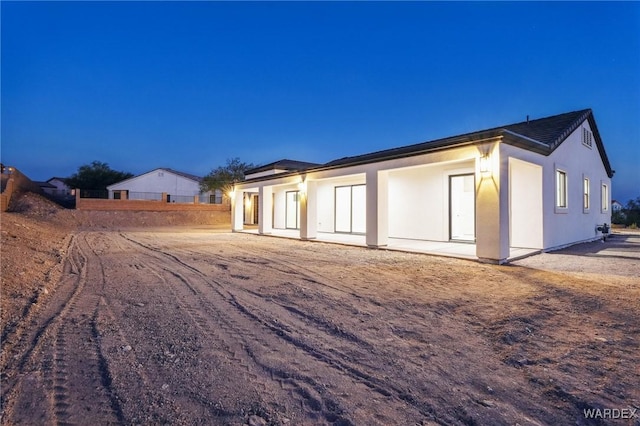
<point>585,194</point>
<point>604,198</point>
<point>587,137</point>
<point>561,189</point>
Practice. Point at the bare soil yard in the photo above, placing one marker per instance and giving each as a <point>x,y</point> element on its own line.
<point>108,324</point>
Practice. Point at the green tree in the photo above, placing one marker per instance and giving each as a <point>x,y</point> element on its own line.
<point>223,177</point>
<point>632,213</point>
<point>95,176</point>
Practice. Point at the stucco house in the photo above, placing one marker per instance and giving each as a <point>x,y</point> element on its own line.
<point>57,187</point>
<point>178,187</point>
<point>535,185</point>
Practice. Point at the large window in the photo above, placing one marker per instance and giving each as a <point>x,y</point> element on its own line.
<point>585,194</point>
<point>561,189</point>
<point>605,198</point>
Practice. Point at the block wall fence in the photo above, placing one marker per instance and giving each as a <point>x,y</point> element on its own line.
<point>146,205</point>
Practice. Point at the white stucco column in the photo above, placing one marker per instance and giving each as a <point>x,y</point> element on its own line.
<point>377,208</point>
<point>237,210</point>
<point>492,209</point>
<point>265,206</point>
<point>309,211</point>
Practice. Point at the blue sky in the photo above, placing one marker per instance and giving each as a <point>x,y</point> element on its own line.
<point>141,85</point>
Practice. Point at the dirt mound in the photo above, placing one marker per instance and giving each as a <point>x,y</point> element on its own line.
<point>32,253</point>
<point>33,205</point>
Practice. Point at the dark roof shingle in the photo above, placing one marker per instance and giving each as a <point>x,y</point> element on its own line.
<point>284,164</point>
<point>542,135</point>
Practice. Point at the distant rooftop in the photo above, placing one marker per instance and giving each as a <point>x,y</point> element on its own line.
<point>285,164</point>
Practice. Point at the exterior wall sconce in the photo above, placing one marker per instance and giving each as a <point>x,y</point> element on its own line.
<point>302,187</point>
<point>485,164</point>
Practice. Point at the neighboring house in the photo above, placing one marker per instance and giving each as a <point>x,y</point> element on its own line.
<point>179,187</point>
<point>616,206</point>
<point>539,184</point>
<point>46,187</point>
<point>57,187</point>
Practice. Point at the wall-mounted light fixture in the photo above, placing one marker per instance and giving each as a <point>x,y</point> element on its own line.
<point>302,186</point>
<point>485,164</point>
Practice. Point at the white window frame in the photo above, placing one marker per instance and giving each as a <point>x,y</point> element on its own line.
<point>604,197</point>
<point>586,194</point>
<point>562,190</point>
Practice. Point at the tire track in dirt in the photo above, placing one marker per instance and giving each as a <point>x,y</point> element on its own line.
<point>12,332</point>
<point>63,354</point>
<point>80,378</point>
<point>401,387</point>
<point>299,384</point>
<point>238,339</point>
<point>20,357</point>
<point>144,389</point>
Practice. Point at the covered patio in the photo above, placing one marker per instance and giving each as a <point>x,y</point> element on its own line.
<point>434,248</point>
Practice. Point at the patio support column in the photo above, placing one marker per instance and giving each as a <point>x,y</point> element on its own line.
<point>377,208</point>
<point>309,211</point>
<point>492,210</point>
<point>265,207</point>
<point>237,210</point>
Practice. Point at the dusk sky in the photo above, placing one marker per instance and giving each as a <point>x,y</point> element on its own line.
<point>141,85</point>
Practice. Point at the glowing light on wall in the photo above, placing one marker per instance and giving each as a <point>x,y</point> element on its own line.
<point>485,164</point>
<point>302,186</point>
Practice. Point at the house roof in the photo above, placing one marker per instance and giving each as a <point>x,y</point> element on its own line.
<point>175,172</point>
<point>183,174</point>
<point>542,135</point>
<point>285,164</point>
<point>43,184</point>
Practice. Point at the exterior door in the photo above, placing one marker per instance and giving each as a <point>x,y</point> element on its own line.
<point>292,210</point>
<point>462,207</point>
<point>256,209</point>
<point>351,209</point>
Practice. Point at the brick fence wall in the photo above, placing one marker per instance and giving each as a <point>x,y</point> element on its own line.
<point>5,197</point>
<point>16,182</point>
<point>146,205</point>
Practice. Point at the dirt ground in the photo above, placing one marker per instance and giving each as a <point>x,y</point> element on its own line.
<point>108,320</point>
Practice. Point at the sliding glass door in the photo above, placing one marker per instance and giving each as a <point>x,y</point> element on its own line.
<point>350,209</point>
<point>292,210</point>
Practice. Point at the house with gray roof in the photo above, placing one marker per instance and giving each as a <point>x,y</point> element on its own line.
<point>492,195</point>
<point>178,187</point>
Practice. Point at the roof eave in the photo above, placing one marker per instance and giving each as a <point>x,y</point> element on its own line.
<point>600,145</point>
<point>524,142</point>
<point>436,146</point>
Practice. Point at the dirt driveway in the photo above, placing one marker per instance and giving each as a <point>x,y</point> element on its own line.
<point>194,327</point>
